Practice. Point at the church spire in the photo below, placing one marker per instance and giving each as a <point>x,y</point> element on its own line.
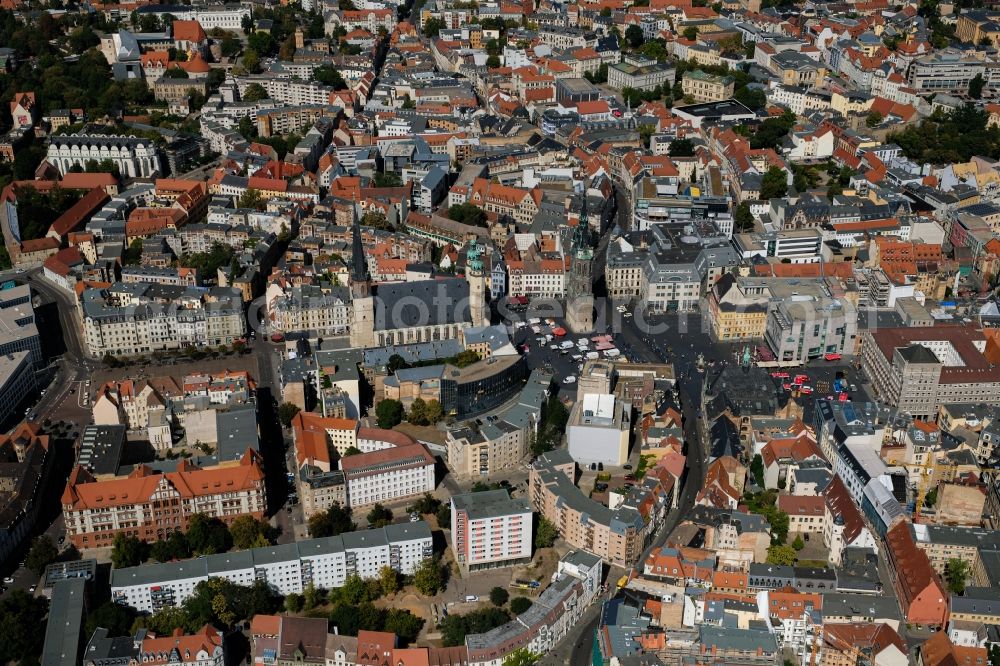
<point>359,265</point>
<point>581,235</point>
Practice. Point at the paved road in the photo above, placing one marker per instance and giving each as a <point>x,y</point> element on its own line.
<point>575,648</point>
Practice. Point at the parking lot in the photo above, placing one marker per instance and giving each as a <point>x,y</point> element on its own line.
<point>540,354</point>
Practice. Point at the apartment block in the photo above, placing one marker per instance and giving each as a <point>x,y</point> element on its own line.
<point>140,318</point>
<point>150,505</point>
<point>490,530</point>
<point>617,535</point>
<point>325,563</point>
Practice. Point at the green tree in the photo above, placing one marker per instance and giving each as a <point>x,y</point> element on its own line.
<point>251,62</point>
<point>379,516</point>
<point>311,597</point>
<point>388,579</point>
<point>930,499</point>
<point>743,221</point>
<point>207,535</point>
<point>116,618</point>
<point>757,469</point>
<point>519,605</point>
<point>781,555</point>
<point>468,213</point>
<point>443,516</point>
<point>654,49</point>
<point>976,86</point>
<point>293,602</point>
<point>752,98</point>
<point>133,253</point>
<point>418,412</point>
<point>287,412</point>
<point>329,76</point>
<point>127,551</point>
<point>434,412</point>
<point>545,533</point>
<point>522,657</point>
<point>428,578</point>
<point>376,220</point>
<point>351,451</point>
<point>465,358</point>
<point>798,544</point>
<point>164,621</point>
<point>21,634</point>
<point>229,46</point>
<point>499,596</point>
<point>956,574</point>
<point>492,61</point>
<point>248,532</point>
<point>389,413</point>
<point>633,35</point>
<point>774,184</point>
<point>335,520</point>
<point>690,33</point>
<point>388,179</point>
<point>433,26</point>
<point>681,148</point>
<point>455,627</point>
<point>160,551</point>
<point>252,198</point>
<point>874,119</point>
<point>42,553</point>
<point>403,623</point>
<point>426,504</point>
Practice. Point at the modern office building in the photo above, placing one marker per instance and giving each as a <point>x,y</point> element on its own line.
<point>492,443</point>
<point>599,428</point>
<point>490,530</point>
<point>916,370</point>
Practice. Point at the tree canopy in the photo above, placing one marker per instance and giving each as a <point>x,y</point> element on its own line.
<point>389,413</point>
<point>455,626</point>
<point>947,138</point>
<point>335,520</point>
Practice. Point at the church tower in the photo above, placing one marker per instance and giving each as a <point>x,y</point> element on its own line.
<point>363,301</point>
<point>580,285</point>
<point>475,275</point>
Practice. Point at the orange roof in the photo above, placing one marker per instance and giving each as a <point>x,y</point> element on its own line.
<point>730,580</point>
<point>410,657</point>
<point>938,650</point>
<point>195,65</point>
<point>589,108</point>
<point>84,492</point>
<point>161,650</point>
<point>801,505</point>
<point>87,181</point>
<point>79,212</point>
<point>265,625</point>
<point>188,31</point>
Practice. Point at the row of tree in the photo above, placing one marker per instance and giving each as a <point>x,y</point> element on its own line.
<point>204,536</point>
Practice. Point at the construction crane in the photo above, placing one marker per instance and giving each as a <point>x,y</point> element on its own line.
<point>929,469</point>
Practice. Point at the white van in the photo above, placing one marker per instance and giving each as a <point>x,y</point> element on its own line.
<point>470,598</point>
